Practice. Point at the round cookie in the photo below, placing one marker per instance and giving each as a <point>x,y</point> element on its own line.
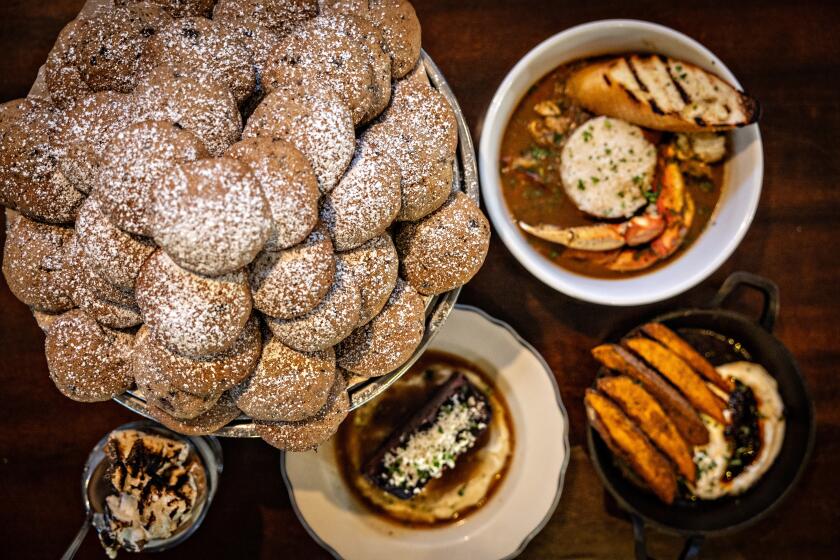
<point>389,339</point>
<point>287,284</point>
<point>287,385</point>
<point>332,320</point>
<point>319,126</point>
<point>206,109</point>
<point>101,51</point>
<point>396,21</point>
<point>339,51</point>
<point>176,8</point>
<point>204,424</point>
<point>364,33</point>
<point>206,51</point>
<point>33,263</point>
<point>87,362</point>
<point>278,16</point>
<point>374,267</point>
<point>132,166</point>
<point>207,376</point>
<point>420,132</point>
<point>191,314</point>
<point>445,249</point>
<point>309,433</point>
<point>87,129</point>
<point>112,253</point>
<point>108,304</point>
<point>365,201</point>
<point>289,184</point>
<point>29,177</point>
<point>110,45</point>
<point>178,404</point>
<point>210,215</point>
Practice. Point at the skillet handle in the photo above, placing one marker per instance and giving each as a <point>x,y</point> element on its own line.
<point>690,551</point>
<point>768,289</point>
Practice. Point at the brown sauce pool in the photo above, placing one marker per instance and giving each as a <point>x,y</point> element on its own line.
<point>456,493</point>
<point>536,196</point>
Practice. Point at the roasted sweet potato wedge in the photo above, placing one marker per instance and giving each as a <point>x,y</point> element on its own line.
<point>684,350</point>
<point>630,444</point>
<point>677,372</point>
<point>680,411</point>
<point>661,93</point>
<point>643,409</point>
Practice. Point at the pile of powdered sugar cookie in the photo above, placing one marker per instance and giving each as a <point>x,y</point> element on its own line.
<point>234,207</point>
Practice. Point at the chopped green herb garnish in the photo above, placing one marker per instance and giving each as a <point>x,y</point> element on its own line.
<point>581,186</point>
<point>539,153</point>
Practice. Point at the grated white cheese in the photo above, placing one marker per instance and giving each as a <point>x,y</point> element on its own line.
<point>427,453</point>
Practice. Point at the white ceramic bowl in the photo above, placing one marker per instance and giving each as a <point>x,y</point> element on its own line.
<point>742,178</point>
<point>519,508</point>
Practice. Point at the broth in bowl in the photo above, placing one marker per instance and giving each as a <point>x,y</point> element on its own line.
<point>613,166</point>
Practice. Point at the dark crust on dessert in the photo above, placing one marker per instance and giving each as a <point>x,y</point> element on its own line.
<point>422,420</point>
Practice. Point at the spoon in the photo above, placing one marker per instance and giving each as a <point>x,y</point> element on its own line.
<point>95,485</point>
<point>94,490</point>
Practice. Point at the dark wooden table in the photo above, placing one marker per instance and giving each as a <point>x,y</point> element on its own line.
<point>786,53</point>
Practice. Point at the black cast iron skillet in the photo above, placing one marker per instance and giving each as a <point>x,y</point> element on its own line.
<point>725,336</point>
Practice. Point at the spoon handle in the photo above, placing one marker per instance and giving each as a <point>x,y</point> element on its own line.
<point>77,542</point>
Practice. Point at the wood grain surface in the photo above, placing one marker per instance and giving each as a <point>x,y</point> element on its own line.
<point>787,54</point>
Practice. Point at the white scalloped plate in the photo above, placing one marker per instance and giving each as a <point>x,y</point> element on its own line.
<point>518,510</point>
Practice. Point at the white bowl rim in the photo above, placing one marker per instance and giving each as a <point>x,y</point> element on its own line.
<point>554,276</point>
<point>526,540</point>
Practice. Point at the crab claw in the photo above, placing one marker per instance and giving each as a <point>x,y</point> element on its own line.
<point>672,194</point>
<point>631,260</point>
<point>601,237</point>
<point>672,238</point>
<point>641,229</point>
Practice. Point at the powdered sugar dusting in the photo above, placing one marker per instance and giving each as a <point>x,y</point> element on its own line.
<point>33,263</point>
<point>309,433</point>
<point>389,339</point>
<point>206,51</point>
<point>320,127</point>
<point>374,266</point>
<point>287,284</point>
<point>288,385</point>
<point>335,51</point>
<point>87,362</point>
<point>117,256</point>
<point>191,314</point>
<point>210,215</point>
<point>289,184</point>
<point>206,376</point>
<point>365,201</point>
<point>132,166</point>
<point>29,177</point>
<point>332,320</point>
<point>206,109</point>
<point>419,131</point>
<point>445,249</point>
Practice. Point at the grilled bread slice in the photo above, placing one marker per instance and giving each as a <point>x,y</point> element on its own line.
<point>643,409</point>
<point>630,444</point>
<point>677,372</point>
<point>661,93</point>
<point>680,411</point>
<point>684,350</point>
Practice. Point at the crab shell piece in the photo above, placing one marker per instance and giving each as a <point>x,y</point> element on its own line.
<point>601,237</point>
<point>676,206</point>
